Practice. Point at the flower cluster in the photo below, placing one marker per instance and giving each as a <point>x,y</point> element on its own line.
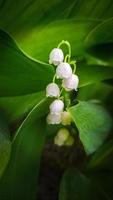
<point>69,82</point>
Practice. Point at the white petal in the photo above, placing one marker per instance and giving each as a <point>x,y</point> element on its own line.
<point>56,106</point>
<point>63,70</point>
<point>54,118</point>
<point>71,83</point>
<point>56,56</point>
<point>52,90</point>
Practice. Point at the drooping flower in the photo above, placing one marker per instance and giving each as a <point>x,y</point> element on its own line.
<point>71,83</point>
<point>56,56</point>
<point>53,118</point>
<point>52,90</point>
<point>56,106</point>
<point>63,70</point>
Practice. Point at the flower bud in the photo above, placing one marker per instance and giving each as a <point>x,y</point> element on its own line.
<point>69,141</point>
<point>54,118</point>
<point>66,118</point>
<point>57,141</point>
<point>56,106</point>
<point>63,70</point>
<point>71,83</point>
<point>52,90</point>
<point>56,56</point>
<point>61,136</point>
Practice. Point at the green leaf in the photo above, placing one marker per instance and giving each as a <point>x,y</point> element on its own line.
<point>103,179</point>
<point>17,107</point>
<point>39,43</point>
<point>89,74</point>
<point>76,186</point>
<point>102,159</point>
<point>93,123</point>
<point>37,31</point>
<point>96,92</point>
<point>20,178</point>
<point>29,18</point>
<point>19,74</point>
<point>99,42</point>
<point>28,15</point>
<point>5,143</point>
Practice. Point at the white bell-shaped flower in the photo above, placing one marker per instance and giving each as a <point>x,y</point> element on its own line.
<point>66,118</point>
<point>71,83</point>
<point>61,136</point>
<point>54,118</point>
<point>56,106</point>
<point>63,70</point>
<point>56,56</point>
<point>52,90</point>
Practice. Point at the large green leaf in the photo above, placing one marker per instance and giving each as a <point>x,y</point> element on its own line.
<point>89,74</point>
<point>93,123</point>
<point>37,39</point>
<point>20,178</point>
<point>102,159</point>
<point>29,18</point>
<point>19,74</point>
<point>5,143</point>
<point>76,186</point>
<point>101,9</point>
<point>38,44</point>
<point>28,15</point>
<point>99,42</point>
<point>96,92</point>
<point>17,107</point>
<point>104,181</point>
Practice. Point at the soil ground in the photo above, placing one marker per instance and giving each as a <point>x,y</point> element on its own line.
<point>55,160</point>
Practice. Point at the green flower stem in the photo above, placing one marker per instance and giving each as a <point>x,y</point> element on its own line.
<point>67,99</point>
<point>54,77</point>
<point>74,65</point>
<point>61,91</point>
<point>67,44</point>
<point>67,58</point>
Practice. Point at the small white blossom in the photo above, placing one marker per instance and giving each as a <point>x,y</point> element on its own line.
<point>66,118</point>
<point>63,70</point>
<point>61,136</point>
<point>52,90</point>
<point>56,56</point>
<point>56,106</point>
<point>71,83</point>
<point>54,118</point>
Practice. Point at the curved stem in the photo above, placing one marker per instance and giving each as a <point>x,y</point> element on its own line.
<point>74,65</point>
<point>67,44</point>
<point>67,58</point>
